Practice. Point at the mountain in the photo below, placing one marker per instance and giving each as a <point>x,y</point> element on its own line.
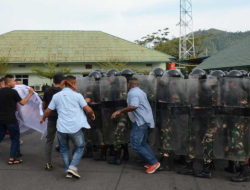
<point>220,40</point>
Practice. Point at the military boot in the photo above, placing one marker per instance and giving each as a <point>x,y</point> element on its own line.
<point>181,160</point>
<point>89,153</point>
<point>117,157</point>
<point>206,172</point>
<point>103,156</point>
<point>243,176</point>
<point>231,168</point>
<point>165,164</point>
<point>188,170</point>
<point>125,152</point>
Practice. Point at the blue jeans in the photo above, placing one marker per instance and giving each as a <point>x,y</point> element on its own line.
<point>79,143</point>
<point>138,140</point>
<point>14,132</point>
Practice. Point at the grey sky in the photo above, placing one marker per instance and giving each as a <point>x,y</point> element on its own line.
<point>128,19</point>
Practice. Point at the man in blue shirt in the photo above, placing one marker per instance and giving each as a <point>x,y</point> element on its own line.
<point>71,119</point>
<point>140,107</point>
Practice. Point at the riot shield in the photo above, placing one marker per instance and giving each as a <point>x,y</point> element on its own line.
<point>201,101</point>
<point>232,139</point>
<point>148,84</point>
<point>113,93</point>
<point>179,116</point>
<point>90,88</point>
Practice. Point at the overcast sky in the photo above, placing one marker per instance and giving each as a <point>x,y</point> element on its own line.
<point>128,19</point>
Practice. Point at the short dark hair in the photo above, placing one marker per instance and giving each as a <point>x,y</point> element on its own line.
<point>134,80</point>
<point>7,78</point>
<point>69,79</point>
<point>2,79</point>
<point>18,80</point>
<point>58,78</point>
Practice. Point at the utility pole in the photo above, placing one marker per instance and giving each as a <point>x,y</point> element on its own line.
<point>186,41</point>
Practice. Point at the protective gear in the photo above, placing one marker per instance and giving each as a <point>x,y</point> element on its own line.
<point>127,73</point>
<point>104,74</point>
<point>243,176</point>
<point>113,92</point>
<point>244,73</point>
<point>158,72</point>
<point>89,87</point>
<point>97,75</point>
<point>226,73</point>
<point>113,72</point>
<point>198,73</point>
<point>218,73</point>
<point>235,74</point>
<point>206,172</point>
<point>232,137</point>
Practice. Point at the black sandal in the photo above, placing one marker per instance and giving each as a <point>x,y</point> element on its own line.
<point>15,161</point>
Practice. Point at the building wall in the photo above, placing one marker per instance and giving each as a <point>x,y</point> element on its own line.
<point>22,70</point>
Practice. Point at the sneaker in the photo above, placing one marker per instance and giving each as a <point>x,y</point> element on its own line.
<point>153,168</point>
<point>74,173</point>
<point>146,166</point>
<point>69,176</point>
<point>48,167</point>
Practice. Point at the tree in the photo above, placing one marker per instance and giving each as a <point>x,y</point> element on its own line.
<point>4,67</point>
<point>50,70</point>
<point>159,41</point>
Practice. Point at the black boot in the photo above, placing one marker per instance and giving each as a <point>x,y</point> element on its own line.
<point>231,168</point>
<point>117,158</point>
<point>206,172</point>
<point>112,150</point>
<point>188,170</point>
<point>89,153</point>
<point>165,164</point>
<point>95,148</point>
<point>181,161</point>
<point>103,156</point>
<point>125,152</point>
<point>243,176</point>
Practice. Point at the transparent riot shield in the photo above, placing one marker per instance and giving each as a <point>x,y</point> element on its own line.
<point>232,139</point>
<point>148,84</point>
<point>179,116</point>
<point>113,93</point>
<point>202,97</point>
<point>90,88</point>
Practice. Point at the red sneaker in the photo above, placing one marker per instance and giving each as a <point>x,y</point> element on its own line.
<point>153,168</point>
<point>146,166</point>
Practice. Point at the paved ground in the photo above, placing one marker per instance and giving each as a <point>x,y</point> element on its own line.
<point>98,175</point>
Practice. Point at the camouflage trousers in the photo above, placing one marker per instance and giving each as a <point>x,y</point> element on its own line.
<point>165,138</point>
<point>120,133</point>
<point>208,142</point>
<point>90,134</point>
<point>236,146</point>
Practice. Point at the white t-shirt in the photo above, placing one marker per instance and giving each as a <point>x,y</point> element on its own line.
<point>131,115</point>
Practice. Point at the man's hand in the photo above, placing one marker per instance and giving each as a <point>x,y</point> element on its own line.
<point>114,115</point>
<point>87,100</point>
<point>93,116</point>
<point>42,120</point>
<point>31,90</point>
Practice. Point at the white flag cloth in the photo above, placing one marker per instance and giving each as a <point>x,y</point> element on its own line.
<point>30,114</point>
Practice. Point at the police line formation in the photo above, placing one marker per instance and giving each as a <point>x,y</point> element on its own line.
<point>204,116</point>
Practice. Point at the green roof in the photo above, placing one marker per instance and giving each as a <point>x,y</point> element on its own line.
<point>73,46</point>
<point>237,55</point>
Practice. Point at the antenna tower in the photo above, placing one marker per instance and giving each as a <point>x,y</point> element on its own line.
<point>186,41</point>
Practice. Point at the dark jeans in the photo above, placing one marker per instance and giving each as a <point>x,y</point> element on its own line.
<point>138,140</point>
<point>14,132</point>
<point>79,143</point>
<point>51,133</point>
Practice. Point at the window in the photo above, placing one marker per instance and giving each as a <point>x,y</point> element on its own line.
<point>24,79</point>
<point>149,65</point>
<point>21,65</point>
<point>88,66</point>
